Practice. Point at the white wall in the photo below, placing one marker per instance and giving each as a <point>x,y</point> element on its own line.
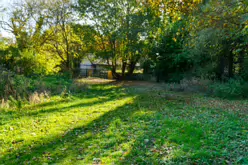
<point>86,64</point>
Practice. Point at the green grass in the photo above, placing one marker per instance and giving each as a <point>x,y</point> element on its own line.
<point>114,125</point>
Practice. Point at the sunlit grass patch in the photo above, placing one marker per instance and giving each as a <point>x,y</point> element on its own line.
<point>94,80</point>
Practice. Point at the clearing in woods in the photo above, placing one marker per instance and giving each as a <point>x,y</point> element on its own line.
<point>126,123</point>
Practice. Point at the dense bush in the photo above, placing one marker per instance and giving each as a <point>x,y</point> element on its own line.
<point>189,85</point>
<point>234,88</point>
<point>17,89</point>
<point>168,54</point>
<point>12,84</point>
<point>32,63</point>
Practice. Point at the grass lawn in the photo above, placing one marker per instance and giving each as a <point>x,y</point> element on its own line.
<point>111,124</point>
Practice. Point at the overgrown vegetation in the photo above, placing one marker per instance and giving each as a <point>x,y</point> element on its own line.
<point>18,89</point>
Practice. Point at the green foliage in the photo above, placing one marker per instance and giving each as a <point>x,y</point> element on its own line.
<point>147,66</point>
<point>204,43</point>
<point>28,63</point>
<point>233,89</point>
<point>13,85</point>
<point>16,102</point>
<point>15,89</point>
<point>53,84</point>
<point>120,32</point>
<point>182,38</point>
<point>168,55</point>
<point>244,71</point>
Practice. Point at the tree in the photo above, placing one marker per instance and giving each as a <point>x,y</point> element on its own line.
<point>225,23</point>
<point>61,17</point>
<point>119,26</point>
<point>26,22</point>
<point>36,24</point>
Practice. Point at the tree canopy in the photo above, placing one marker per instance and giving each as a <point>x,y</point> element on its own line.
<point>171,38</point>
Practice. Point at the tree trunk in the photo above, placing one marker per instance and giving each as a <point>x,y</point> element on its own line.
<point>113,69</point>
<point>115,75</point>
<point>220,68</point>
<point>241,62</point>
<point>131,68</point>
<point>230,65</point>
<point>123,69</point>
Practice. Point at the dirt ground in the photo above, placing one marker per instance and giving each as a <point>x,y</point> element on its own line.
<point>124,83</point>
<point>136,83</point>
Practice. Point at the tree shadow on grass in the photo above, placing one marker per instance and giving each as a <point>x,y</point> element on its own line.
<point>180,134</point>
<point>117,136</point>
<point>92,92</point>
<point>56,149</point>
<point>102,94</point>
<point>143,131</point>
<point>70,107</point>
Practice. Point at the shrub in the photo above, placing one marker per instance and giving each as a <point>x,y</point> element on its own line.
<point>31,63</point>
<point>234,88</point>
<point>15,89</point>
<point>12,84</point>
<point>189,85</point>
